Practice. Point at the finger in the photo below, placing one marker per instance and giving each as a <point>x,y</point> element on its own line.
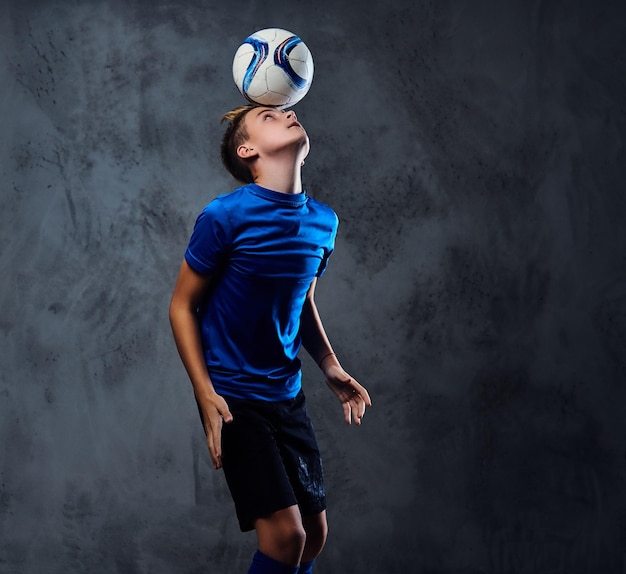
<point>226,414</point>
<point>223,412</point>
<point>363,392</point>
<point>215,444</point>
<point>362,405</point>
<point>358,409</point>
<point>215,458</point>
<point>215,450</point>
<point>347,412</point>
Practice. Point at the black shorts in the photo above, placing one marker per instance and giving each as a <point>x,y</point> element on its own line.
<point>271,459</point>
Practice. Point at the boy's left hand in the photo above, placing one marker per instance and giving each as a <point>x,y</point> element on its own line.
<point>353,396</point>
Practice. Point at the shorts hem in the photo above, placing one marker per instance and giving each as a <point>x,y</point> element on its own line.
<point>246,524</point>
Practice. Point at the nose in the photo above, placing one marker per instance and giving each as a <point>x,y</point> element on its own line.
<point>291,115</point>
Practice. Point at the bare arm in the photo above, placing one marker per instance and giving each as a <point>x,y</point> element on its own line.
<point>353,396</point>
<point>188,292</point>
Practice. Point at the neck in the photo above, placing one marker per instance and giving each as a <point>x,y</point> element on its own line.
<point>279,177</point>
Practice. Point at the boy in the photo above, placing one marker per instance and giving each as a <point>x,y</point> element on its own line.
<point>242,306</point>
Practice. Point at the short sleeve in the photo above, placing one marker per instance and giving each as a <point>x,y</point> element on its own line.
<point>209,244</point>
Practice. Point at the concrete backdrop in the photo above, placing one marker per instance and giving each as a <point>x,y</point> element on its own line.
<point>473,151</point>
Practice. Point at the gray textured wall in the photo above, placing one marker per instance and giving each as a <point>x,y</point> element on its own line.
<point>473,151</point>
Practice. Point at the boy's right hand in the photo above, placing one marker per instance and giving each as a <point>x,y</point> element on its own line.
<point>215,412</point>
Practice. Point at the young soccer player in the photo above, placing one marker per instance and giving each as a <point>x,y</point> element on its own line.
<point>243,304</point>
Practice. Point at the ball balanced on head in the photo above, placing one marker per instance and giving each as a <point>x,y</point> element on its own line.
<point>273,67</point>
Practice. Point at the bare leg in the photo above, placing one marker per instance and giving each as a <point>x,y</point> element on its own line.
<point>282,536</point>
<point>316,529</point>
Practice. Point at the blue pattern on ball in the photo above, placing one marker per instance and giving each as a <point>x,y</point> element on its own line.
<point>281,58</point>
<point>261,50</point>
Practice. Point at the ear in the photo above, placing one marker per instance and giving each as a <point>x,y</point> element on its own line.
<point>246,152</point>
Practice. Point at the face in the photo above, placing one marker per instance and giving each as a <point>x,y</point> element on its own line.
<point>272,131</point>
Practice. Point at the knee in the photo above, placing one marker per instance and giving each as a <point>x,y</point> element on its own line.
<point>289,536</point>
<point>316,529</point>
<point>287,543</point>
<point>292,536</point>
<point>282,536</point>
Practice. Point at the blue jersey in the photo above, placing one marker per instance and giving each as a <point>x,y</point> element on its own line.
<point>263,249</point>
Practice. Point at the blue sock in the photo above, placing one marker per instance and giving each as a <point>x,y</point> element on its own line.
<point>306,567</point>
<point>263,564</point>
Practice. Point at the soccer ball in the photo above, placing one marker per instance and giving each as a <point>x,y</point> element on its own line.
<point>273,67</point>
